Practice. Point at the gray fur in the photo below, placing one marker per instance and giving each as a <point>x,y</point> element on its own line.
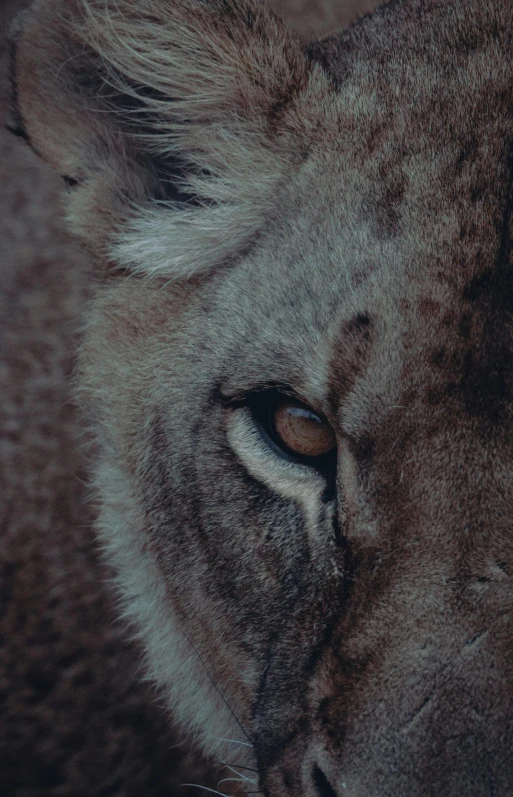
<point>365,633</point>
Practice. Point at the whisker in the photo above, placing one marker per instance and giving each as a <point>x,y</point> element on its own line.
<point>234,741</point>
<point>244,777</point>
<point>212,681</point>
<point>239,766</point>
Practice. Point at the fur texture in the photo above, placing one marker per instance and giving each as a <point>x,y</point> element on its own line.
<point>343,213</point>
<point>76,718</point>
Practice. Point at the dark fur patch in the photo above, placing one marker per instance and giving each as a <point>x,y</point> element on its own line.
<point>382,209</point>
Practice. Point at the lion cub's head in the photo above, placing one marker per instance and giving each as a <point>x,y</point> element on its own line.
<point>299,368</point>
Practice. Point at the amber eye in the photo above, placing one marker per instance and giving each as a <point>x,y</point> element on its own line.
<point>295,429</point>
<point>301,430</point>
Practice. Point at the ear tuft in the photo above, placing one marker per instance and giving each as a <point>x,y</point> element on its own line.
<point>175,120</point>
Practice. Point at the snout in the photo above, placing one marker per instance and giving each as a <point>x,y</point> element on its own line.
<point>419,719</point>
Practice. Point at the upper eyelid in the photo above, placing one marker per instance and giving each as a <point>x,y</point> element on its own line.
<point>245,397</point>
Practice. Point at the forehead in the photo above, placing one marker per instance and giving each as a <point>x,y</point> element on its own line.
<point>351,277</point>
<point>400,212</point>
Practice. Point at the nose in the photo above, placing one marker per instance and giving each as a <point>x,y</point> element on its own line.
<point>323,787</point>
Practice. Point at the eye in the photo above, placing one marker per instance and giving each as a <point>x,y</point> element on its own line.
<point>295,429</point>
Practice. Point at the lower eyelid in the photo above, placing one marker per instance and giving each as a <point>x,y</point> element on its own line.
<point>291,481</point>
<point>254,447</point>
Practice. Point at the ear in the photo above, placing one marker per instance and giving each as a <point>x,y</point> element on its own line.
<point>174,120</point>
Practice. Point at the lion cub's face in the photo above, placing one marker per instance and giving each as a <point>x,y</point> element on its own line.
<point>305,417</point>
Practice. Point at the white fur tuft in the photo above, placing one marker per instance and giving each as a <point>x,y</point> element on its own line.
<point>200,85</point>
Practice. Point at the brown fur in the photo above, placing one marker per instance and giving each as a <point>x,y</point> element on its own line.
<point>344,215</point>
